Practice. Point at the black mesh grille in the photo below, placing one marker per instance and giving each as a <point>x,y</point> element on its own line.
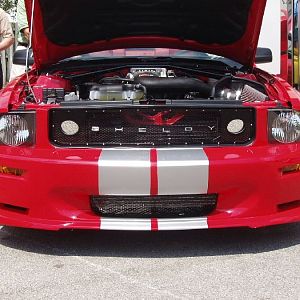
<point>151,126</point>
<point>174,206</point>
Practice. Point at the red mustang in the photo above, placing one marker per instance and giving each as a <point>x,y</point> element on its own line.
<point>148,115</point>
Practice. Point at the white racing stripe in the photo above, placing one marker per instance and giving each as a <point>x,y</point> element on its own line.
<point>182,224</point>
<point>125,224</point>
<point>145,224</point>
<point>182,171</point>
<point>124,172</point>
<point>127,171</point>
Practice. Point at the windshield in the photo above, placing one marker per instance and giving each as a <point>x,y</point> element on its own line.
<point>154,52</point>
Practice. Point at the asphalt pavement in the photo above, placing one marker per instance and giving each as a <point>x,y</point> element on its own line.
<point>206,264</point>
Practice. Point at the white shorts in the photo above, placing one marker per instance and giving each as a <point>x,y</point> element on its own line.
<point>17,70</point>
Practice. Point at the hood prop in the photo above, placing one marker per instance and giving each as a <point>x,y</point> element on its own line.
<point>27,53</point>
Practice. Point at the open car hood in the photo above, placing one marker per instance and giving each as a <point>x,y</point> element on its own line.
<point>65,28</point>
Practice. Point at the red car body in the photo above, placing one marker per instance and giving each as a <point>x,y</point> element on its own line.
<point>52,186</point>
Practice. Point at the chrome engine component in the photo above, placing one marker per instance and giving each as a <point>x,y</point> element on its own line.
<point>244,90</point>
<point>71,97</point>
<point>244,93</point>
<point>117,92</point>
<point>149,72</point>
<point>250,94</point>
<point>231,94</point>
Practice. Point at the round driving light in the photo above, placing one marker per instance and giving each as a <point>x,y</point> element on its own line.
<point>286,127</point>
<point>69,127</point>
<point>236,126</point>
<point>14,130</point>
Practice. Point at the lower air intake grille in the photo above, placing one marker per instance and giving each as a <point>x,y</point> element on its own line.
<point>174,206</point>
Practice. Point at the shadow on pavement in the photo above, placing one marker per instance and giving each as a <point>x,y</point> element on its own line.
<point>213,242</point>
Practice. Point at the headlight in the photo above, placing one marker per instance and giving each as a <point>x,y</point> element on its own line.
<point>16,129</point>
<point>285,126</point>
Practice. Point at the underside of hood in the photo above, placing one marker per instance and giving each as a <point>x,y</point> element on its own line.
<point>65,28</point>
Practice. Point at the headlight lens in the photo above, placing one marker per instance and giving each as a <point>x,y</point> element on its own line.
<point>285,127</point>
<point>14,130</point>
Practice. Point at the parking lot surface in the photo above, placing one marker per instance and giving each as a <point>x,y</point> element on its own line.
<point>209,264</point>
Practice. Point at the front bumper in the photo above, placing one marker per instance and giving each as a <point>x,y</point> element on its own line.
<point>54,190</point>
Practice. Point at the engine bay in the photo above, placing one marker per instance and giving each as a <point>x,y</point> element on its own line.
<point>152,84</point>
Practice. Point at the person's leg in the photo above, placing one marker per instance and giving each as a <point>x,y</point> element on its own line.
<point>1,76</point>
<point>17,70</point>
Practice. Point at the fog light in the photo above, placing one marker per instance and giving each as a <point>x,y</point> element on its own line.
<point>11,171</point>
<point>286,127</point>
<point>236,126</point>
<point>69,127</point>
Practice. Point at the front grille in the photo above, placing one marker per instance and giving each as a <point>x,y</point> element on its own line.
<point>145,126</point>
<point>165,206</point>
